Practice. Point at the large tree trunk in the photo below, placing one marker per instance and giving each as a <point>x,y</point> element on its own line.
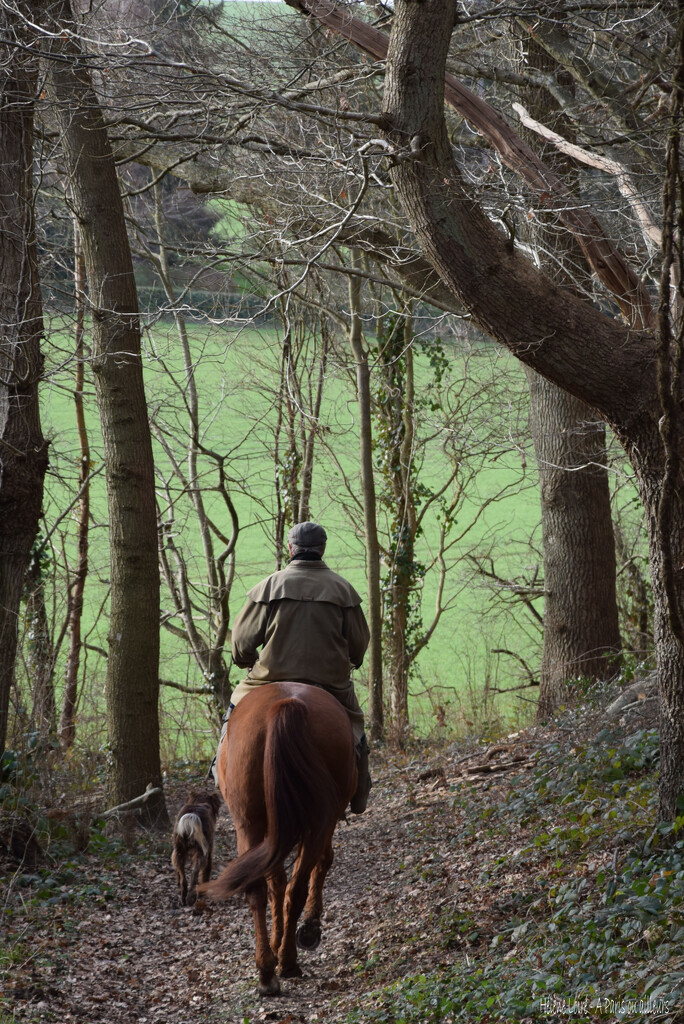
<point>581,630</point>
<point>581,633</point>
<point>555,331</point>
<point>611,368</point>
<point>605,260</point>
<point>23,451</point>
<point>659,461</point>
<point>666,556</point>
<point>133,662</point>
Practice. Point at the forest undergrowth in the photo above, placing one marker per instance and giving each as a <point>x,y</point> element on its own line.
<point>519,880</point>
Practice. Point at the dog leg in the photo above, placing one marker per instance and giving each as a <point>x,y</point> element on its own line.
<point>205,873</point>
<point>194,877</point>
<point>178,861</point>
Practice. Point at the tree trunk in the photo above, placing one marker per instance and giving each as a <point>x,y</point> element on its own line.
<point>133,662</point>
<point>23,451</point>
<point>550,328</point>
<point>659,461</point>
<point>608,366</point>
<point>399,593</point>
<point>39,653</point>
<point>581,633</point>
<point>376,726</point>
<point>396,415</point>
<point>606,262</point>
<point>665,552</point>
<point>67,722</point>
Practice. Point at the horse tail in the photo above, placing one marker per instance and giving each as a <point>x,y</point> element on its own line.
<point>301,799</point>
<point>302,796</point>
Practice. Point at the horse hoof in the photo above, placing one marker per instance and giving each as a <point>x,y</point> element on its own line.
<point>309,934</point>
<point>270,987</point>
<point>291,972</point>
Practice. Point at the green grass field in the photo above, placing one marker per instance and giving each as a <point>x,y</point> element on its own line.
<point>237,375</point>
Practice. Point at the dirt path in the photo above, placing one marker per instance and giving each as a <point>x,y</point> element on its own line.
<point>401,872</point>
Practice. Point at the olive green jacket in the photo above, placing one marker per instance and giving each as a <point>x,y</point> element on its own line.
<point>309,624</point>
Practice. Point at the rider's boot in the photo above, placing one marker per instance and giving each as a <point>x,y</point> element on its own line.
<point>360,799</point>
<point>211,774</point>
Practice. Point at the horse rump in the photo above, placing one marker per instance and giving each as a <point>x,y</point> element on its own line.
<point>301,799</point>
<point>286,773</point>
<point>193,842</point>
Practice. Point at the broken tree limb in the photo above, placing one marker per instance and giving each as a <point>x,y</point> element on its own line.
<point>651,232</point>
<point>608,264</point>
<point>137,801</point>
<point>499,766</point>
<point>639,692</point>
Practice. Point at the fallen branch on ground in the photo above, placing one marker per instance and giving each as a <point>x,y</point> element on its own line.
<point>136,802</point>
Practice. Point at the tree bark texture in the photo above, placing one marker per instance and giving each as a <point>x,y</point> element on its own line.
<point>23,451</point>
<point>395,411</point>
<point>649,463</point>
<point>581,632</point>
<point>67,721</point>
<point>662,463</point>
<point>610,367</point>
<point>370,527</point>
<point>39,651</point>
<point>133,662</point>
<point>593,356</point>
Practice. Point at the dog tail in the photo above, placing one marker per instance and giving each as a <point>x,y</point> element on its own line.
<point>189,827</point>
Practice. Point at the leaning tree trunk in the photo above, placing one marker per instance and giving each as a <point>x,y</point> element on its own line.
<point>133,662</point>
<point>612,368</point>
<point>23,451</point>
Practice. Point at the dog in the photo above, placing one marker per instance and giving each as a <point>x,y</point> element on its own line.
<point>193,842</point>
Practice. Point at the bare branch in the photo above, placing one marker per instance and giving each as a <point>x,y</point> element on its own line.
<point>652,233</point>
<point>608,264</point>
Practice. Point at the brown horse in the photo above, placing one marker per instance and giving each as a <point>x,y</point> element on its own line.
<point>287,771</point>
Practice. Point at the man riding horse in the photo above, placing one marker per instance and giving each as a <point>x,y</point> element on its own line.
<point>310,626</point>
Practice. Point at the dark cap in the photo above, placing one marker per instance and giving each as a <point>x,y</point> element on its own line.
<point>307,535</point>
